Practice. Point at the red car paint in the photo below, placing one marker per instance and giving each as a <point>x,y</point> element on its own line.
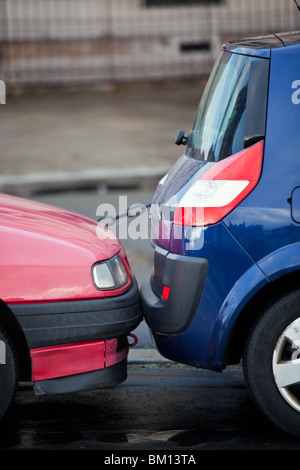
<point>46,259</point>
<point>58,361</point>
<point>46,253</point>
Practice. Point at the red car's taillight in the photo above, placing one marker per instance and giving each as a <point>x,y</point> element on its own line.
<point>221,188</point>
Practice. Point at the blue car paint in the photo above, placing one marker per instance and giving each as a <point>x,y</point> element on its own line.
<point>233,278</point>
<point>259,241</point>
<point>262,222</point>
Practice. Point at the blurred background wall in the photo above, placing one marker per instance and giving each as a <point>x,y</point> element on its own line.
<point>66,42</point>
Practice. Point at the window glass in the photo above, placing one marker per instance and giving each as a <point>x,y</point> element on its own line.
<point>232,112</point>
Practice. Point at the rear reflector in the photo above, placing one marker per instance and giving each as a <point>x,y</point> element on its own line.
<point>166,292</point>
<point>221,188</point>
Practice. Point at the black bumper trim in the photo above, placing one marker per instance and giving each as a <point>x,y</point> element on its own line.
<point>108,377</point>
<point>49,324</point>
<point>186,276</point>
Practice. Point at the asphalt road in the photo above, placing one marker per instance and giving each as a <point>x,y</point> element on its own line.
<point>158,410</point>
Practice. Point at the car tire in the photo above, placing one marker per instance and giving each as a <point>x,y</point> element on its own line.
<point>271,363</point>
<point>8,371</point>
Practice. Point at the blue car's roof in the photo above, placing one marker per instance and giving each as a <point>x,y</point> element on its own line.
<point>261,46</point>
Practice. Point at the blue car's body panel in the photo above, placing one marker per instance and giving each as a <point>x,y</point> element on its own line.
<point>259,241</point>
<point>232,279</point>
<point>262,222</point>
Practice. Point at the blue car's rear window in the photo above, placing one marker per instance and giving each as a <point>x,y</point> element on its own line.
<point>232,112</point>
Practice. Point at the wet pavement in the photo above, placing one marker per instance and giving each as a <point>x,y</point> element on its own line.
<point>159,408</point>
<point>87,137</point>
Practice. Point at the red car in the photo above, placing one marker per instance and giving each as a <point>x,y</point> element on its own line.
<point>68,301</point>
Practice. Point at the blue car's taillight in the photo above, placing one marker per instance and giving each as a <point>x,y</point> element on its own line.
<point>220,189</point>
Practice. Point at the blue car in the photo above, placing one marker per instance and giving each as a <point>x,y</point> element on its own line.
<point>225,286</point>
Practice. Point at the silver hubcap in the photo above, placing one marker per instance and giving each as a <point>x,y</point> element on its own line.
<point>286,364</point>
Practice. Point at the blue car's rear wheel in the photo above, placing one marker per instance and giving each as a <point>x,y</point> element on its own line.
<point>8,371</point>
<point>271,363</point>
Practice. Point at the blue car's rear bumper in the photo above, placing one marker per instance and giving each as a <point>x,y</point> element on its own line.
<point>208,289</point>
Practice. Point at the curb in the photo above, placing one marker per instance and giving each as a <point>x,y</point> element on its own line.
<point>41,181</point>
<point>145,356</point>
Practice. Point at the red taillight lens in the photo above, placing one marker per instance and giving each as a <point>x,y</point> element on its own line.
<point>221,188</point>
